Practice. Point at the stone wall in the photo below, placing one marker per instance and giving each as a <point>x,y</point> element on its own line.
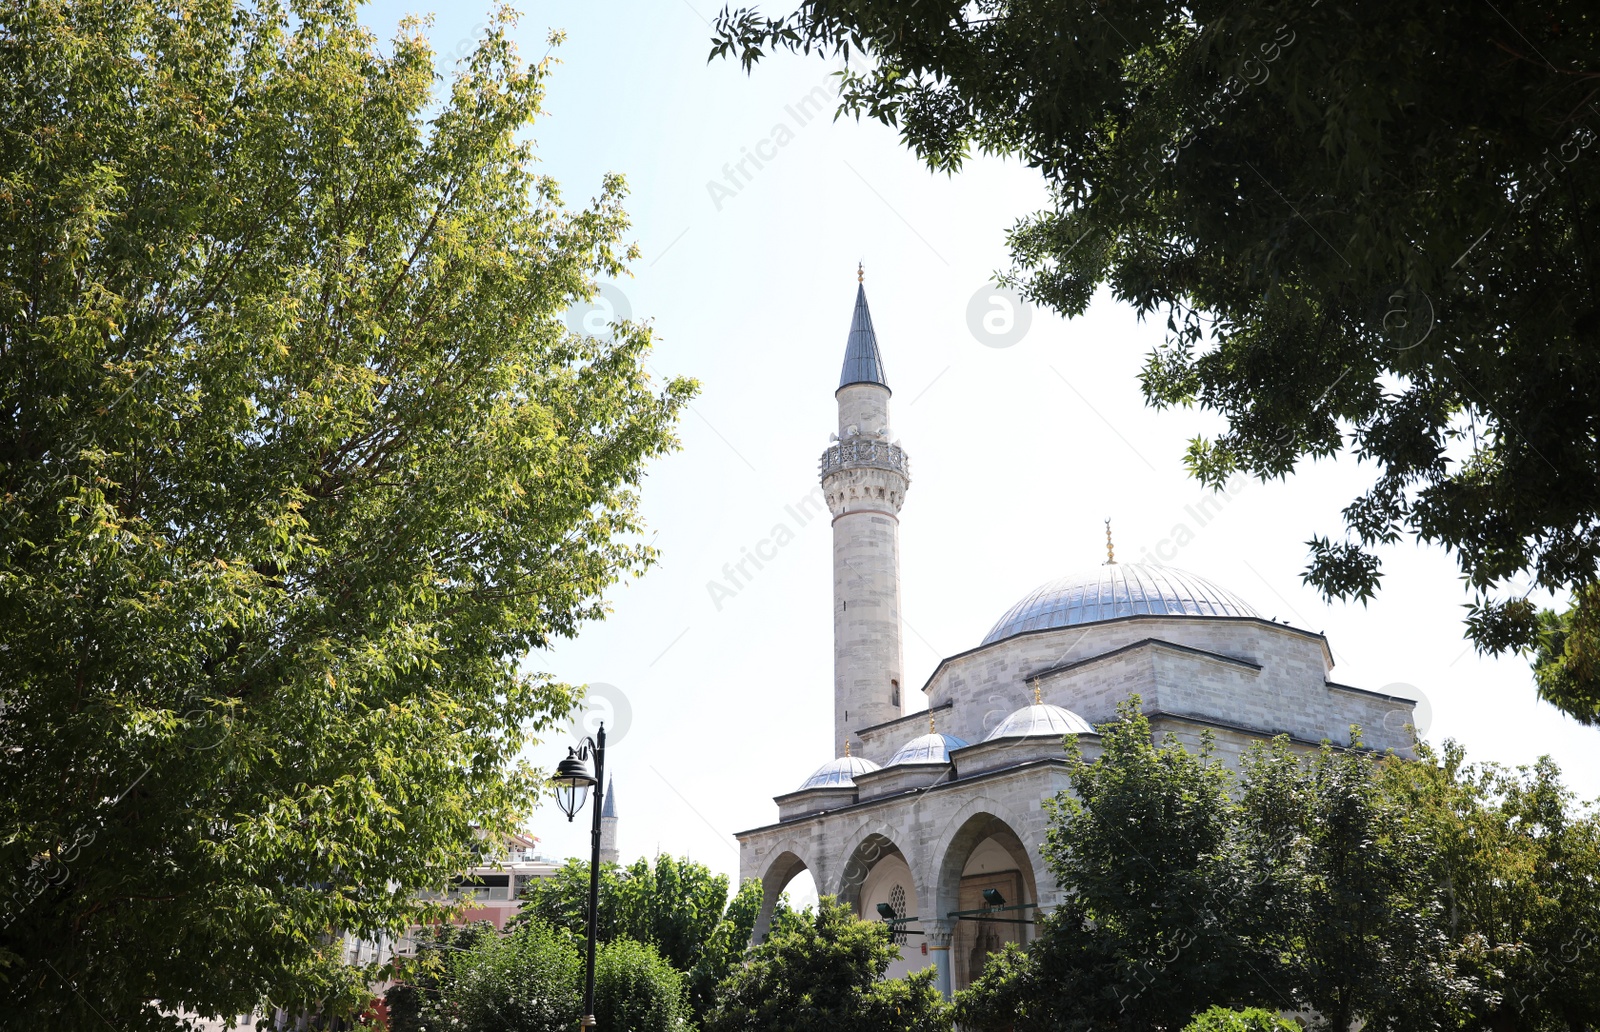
<point>1242,671</point>
<point>934,830</point>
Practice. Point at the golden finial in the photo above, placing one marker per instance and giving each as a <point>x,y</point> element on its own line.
<point>861,272</point>
<point>1036,700</point>
<point>931,729</point>
<point>1111,555</point>
<point>847,748</point>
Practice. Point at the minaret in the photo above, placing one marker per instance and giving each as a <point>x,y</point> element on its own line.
<point>864,477</point>
<point>608,825</point>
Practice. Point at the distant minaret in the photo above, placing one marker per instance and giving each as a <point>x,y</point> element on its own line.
<point>608,825</point>
<point>865,476</point>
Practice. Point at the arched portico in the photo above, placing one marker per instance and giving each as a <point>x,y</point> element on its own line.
<point>785,863</point>
<point>875,840</point>
<point>982,851</point>
<point>880,873</point>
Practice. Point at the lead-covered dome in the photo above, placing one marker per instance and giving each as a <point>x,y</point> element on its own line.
<point>839,773</point>
<point>1115,590</point>
<point>1041,720</point>
<point>933,747</point>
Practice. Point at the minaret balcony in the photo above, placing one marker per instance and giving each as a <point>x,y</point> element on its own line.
<point>858,452</point>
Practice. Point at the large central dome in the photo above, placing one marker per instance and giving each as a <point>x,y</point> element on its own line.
<point>1115,590</point>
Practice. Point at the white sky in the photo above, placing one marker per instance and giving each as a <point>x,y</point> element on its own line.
<point>1018,453</point>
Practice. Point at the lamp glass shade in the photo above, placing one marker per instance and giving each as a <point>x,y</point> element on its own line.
<point>571,796</point>
<point>572,782</point>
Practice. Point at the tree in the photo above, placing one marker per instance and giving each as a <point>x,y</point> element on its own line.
<point>1251,1019</point>
<point>1521,865</point>
<point>1369,226</point>
<point>562,900</point>
<point>1142,843</point>
<point>528,981</point>
<point>299,460</point>
<point>823,971</point>
<point>531,980</point>
<point>725,949</point>
<point>1069,979</point>
<point>637,990</point>
<point>677,906</point>
<point>1305,885</point>
<point>426,977</point>
<point>1337,901</point>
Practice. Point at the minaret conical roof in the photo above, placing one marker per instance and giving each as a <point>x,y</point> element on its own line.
<point>862,363</point>
<point>609,809</point>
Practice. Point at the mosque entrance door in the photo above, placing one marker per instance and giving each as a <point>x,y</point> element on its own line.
<point>995,862</point>
<point>977,937</point>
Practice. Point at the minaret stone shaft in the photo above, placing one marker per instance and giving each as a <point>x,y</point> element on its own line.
<point>864,477</point>
<point>608,827</point>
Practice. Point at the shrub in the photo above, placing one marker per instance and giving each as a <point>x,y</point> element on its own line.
<point>635,990</point>
<point>823,971</point>
<point>528,981</point>
<point>1253,1019</point>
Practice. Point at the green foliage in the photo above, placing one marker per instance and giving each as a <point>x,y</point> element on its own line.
<point>1068,980</point>
<point>1521,863</point>
<point>823,971</point>
<point>677,906</point>
<point>531,980</point>
<point>427,976</point>
<point>725,949</point>
<point>1142,844</point>
<point>1567,656</point>
<point>637,990</point>
<point>528,981</point>
<point>562,900</point>
<point>1368,228</point>
<point>299,461</point>
<point>1251,1019</point>
<point>1402,895</point>
<point>1143,839</point>
<point>1336,895</point>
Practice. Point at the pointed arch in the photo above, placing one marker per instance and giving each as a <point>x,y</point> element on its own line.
<point>882,871</point>
<point>874,839</point>
<point>776,867</point>
<point>965,829</point>
<point>983,849</point>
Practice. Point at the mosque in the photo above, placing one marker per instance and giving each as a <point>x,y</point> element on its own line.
<point>933,820</point>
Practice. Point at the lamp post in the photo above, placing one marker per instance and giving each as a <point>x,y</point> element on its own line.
<point>572,783</point>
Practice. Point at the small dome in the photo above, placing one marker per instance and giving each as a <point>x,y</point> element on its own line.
<point>930,748</point>
<point>1040,721</point>
<point>839,773</point>
<point>1115,590</point>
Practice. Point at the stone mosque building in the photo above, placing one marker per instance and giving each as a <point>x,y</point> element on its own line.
<point>936,815</point>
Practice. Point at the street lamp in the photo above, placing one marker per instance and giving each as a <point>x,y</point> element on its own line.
<point>572,783</point>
